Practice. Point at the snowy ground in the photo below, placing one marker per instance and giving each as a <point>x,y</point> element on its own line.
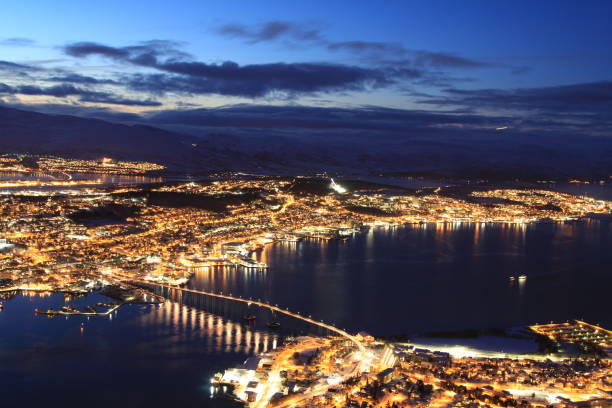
<point>482,346</point>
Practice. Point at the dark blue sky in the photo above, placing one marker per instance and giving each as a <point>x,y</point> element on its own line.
<point>509,59</point>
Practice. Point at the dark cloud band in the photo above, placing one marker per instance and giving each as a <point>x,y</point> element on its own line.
<point>66,90</point>
<point>185,75</point>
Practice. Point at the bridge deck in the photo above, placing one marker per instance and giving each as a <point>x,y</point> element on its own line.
<point>264,305</point>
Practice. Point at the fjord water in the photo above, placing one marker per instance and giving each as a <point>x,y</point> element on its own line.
<point>141,356</point>
<point>386,281</point>
<point>432,277</point>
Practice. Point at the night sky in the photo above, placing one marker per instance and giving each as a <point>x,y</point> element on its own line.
<point>532,66</point>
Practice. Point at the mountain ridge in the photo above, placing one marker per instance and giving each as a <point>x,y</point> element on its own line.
<point>291,152</point>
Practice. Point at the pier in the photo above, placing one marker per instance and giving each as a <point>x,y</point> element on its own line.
<point>77,313</point>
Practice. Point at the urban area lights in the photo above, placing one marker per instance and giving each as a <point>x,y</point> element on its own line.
<point>161,239</point>
<point>331,372</point>
<point>52,239</point>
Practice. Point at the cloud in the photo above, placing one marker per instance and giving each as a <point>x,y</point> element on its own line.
<point>375,138</point>
<point>179,73</point>
<point>84,49</point>
<point>577,97</point>
<point>277,30</point>
<point>143,53</point>
<point>271,30</point>
<point>113,100</point>
<point>65,90</point>
<point>36,63</point>
<point>371,140</point>
<point>17,42</point>
<point>259,80</point>
<point>58,91</point>
<point>185,75</point>
<point>95,112</point>
<point>368,118</point>
<point>80,79</point>
<point>12,68</point>
<point>12,65</point>
<point>385,138</point>
<point>367,46</point>
<point>445,60</point>
<point>385,122</point>
<point>397,54</point>
<point>584,108</point>
<point>67,87</point>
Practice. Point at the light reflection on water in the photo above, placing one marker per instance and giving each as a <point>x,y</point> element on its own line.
<point>386,281</point>
<point>221,335</point>
<point>435,276</point>
<point>105,179</point>
<point>148,355</point>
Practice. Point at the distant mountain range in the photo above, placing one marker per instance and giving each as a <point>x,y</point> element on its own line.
<point>31,132</point>
<point>200,149</point>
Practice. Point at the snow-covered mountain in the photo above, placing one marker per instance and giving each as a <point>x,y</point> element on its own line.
<point>196,142</point>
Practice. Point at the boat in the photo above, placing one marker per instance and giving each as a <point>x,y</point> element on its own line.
<point>273,325</point>
<point>249,318</point>
<point>512,278</point>
<point>522,277</point>
<point>1,306</point>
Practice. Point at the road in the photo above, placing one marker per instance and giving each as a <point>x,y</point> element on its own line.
<point>273,384</point>
<point>274,379</point>
<point>260,304</point>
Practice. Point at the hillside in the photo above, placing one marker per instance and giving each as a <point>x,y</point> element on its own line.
<point>31,132</point>
<point>289,150</point>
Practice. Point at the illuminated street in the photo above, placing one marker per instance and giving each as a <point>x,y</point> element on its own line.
<point>306,204</point>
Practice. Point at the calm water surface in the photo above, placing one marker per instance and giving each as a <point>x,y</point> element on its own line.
<point>142,356</point>
<point>438,276</point>
<point>386,281</point>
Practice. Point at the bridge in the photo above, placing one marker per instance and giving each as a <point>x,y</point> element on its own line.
<point>264,305</point>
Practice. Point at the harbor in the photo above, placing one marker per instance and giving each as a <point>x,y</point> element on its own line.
<point>90,310</point>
